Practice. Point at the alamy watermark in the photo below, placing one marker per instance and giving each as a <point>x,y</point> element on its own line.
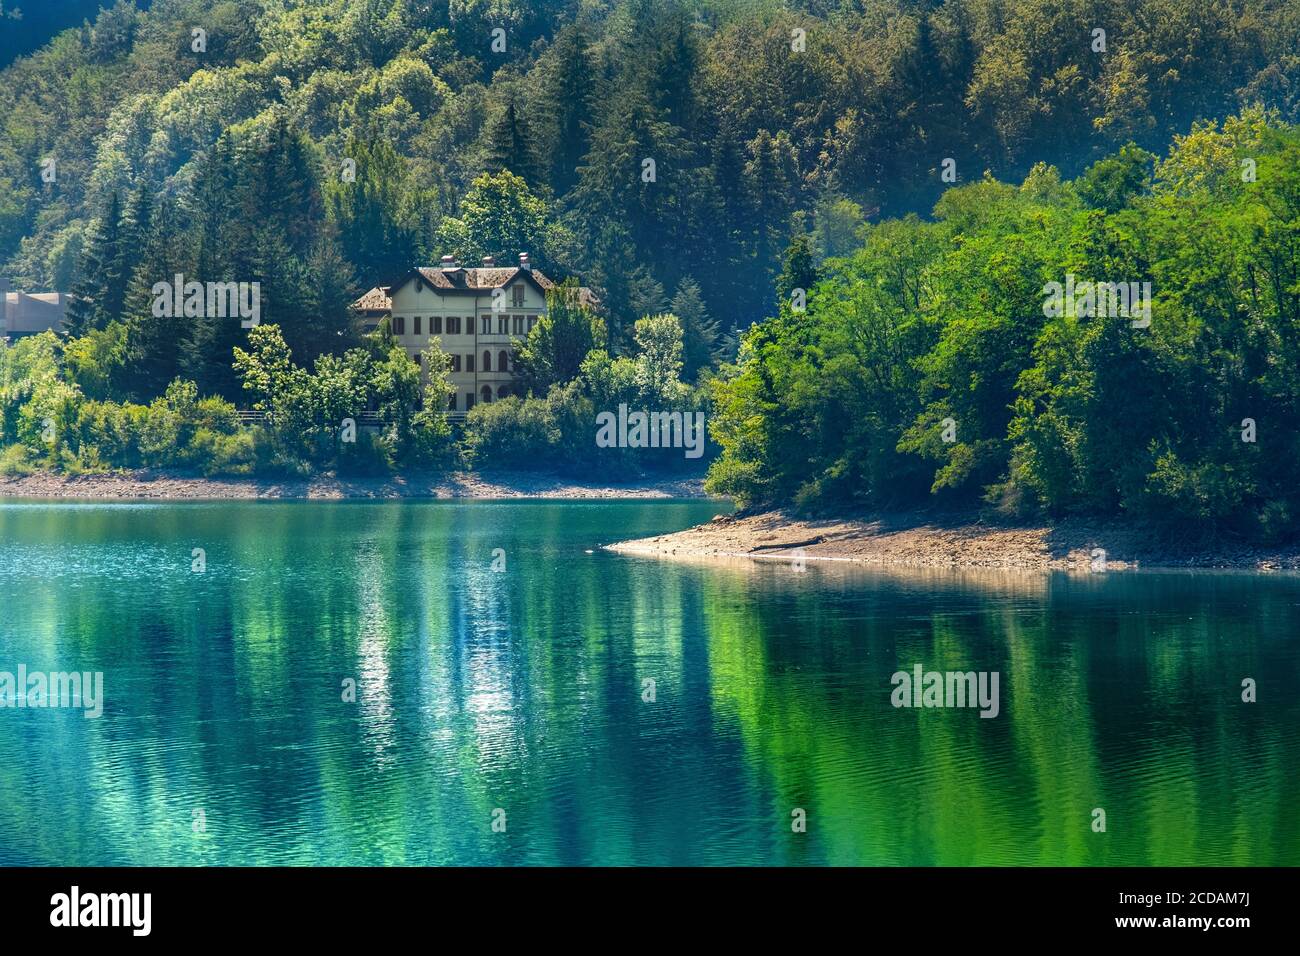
<point>651,430</point>
<point>97,910</point>
<point>219,300</point>
<point>923,688</point>
<point>1106,300</point>
<point>40,689</point>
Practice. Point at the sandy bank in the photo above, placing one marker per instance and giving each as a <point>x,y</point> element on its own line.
<point>147,485</point>
<point>929,541</point>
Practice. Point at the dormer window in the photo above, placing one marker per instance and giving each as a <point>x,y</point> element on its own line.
<point>518,293</point>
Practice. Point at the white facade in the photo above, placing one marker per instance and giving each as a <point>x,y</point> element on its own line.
<point>477,326</point>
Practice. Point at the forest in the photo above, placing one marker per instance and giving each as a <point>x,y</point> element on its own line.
<point>829,223</point>
<point>929,367</point>
<point>763,118</point>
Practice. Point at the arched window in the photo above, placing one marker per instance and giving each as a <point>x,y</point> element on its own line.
<point>487,361</point>
<point>503,361</point>
<point>486,392</point>
<point>503,391</point>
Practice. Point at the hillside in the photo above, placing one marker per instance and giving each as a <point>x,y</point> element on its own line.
<point>831,229</point>
<point>761,117</point>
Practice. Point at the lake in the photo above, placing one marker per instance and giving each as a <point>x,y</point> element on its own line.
<point>478,683</point>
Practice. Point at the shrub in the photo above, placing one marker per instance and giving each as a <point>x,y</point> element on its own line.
<point>512,432</point>
<point>224,454</point>
<point>15,460</point>
<point>366,456</point>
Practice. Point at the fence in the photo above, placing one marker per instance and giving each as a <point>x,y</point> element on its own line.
<point>364,419</point>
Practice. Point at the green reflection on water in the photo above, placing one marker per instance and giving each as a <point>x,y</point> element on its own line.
<point>523,690</point>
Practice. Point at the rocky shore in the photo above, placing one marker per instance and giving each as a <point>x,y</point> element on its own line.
<point>143,485</point>
<point>957,541</point>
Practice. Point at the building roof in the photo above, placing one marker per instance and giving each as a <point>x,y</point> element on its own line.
<point>467,281</point>
<point>376,300</point>
<point>477,280</point>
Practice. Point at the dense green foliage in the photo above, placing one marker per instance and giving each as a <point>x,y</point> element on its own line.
<point>692,159</point>
<point>571,379</point>
<point>751,125</point>
<point>306,420</point>
<point>942,326</point>
<point>364,410</point>
<point>47,421</point>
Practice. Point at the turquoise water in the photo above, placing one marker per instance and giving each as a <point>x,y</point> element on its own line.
<point>519,697</point>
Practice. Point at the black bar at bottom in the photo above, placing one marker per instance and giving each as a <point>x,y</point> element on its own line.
<point>338,906</point>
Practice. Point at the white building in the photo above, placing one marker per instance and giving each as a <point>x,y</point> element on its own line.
<point>476,315</point>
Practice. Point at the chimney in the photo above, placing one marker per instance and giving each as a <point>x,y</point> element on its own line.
<point>449,264</point>
<point>488,262</point>
<point>524,263</point>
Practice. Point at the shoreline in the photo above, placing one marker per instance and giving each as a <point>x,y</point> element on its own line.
<point>164,486</point>
<point>919,540</point>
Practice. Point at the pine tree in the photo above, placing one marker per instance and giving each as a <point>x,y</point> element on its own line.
<point>258,214</point>
<point>568,99</point>
<point>103,256</point>
<point>773,179</point>
<point>510,146</point>
<point>924,86</point>
<point>153,342</point>
<point>281,183</point>
<point>375,215</point>
<point>729,233</point>
<point>645,293</point>
<point>676,65</point>
<point>613,262</point>
<point>211,207</point>
<point>332,279</point>
<point>133,233</point>
<point>637,180</point>
<point>700,345</point>
<point>799,271</point>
